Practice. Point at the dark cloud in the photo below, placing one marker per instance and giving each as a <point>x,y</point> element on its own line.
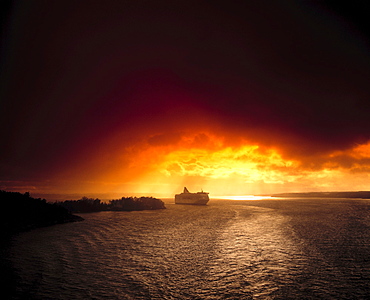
<point>164,139</point>
<point>292,75</point>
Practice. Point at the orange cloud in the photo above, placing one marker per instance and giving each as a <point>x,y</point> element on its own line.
<point>164,163</point>
<point>207,161</point>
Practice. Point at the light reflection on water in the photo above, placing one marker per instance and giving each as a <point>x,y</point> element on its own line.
<point>226,250</point>
<point>268,259</point>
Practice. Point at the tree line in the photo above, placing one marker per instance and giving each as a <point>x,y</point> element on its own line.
<point>124,204</point>
<point>20,212</point>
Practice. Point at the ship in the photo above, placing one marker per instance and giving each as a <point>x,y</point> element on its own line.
<point>199,198</point>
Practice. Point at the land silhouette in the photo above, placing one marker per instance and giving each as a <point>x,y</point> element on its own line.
<point>85,205</point>
<point>21,212</point>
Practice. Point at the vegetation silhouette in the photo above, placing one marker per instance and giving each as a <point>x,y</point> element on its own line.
<point>85,205</point>
<point>20,212</point>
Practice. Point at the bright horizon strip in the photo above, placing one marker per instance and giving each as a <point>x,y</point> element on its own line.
<point>245,197</point>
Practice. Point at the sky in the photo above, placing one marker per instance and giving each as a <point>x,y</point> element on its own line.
<point>232,97</point>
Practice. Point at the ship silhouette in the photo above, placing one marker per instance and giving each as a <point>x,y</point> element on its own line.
<point>199,198</point>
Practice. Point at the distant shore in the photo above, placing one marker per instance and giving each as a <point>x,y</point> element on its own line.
<point>358,195</point>
<point>86,205</point>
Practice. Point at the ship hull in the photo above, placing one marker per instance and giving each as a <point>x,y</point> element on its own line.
<point>192,199</point>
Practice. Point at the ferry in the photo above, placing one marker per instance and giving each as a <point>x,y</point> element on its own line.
<point>199,198</point>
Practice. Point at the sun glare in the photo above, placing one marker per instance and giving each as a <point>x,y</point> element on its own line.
<point>246,197</point>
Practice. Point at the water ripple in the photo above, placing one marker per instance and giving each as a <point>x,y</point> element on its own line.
<point>226,250</point>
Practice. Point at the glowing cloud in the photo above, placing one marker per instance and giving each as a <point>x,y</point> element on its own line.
<point>207,161</point>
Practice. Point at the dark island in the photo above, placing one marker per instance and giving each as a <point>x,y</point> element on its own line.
<point>20,212</point>
<point>86,205</point>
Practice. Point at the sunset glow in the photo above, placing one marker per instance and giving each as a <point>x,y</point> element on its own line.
<point>246,197</point>
<point>176,149</point>
<point>205,161</point>
<point>214,164</point>
<point>156,97</point>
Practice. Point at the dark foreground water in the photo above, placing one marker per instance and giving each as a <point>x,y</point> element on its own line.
<point>267,249</point>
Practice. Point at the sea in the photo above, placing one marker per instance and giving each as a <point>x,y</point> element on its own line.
<point>275,248</point>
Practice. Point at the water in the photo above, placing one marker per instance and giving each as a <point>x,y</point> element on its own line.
<point>266,249</point>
